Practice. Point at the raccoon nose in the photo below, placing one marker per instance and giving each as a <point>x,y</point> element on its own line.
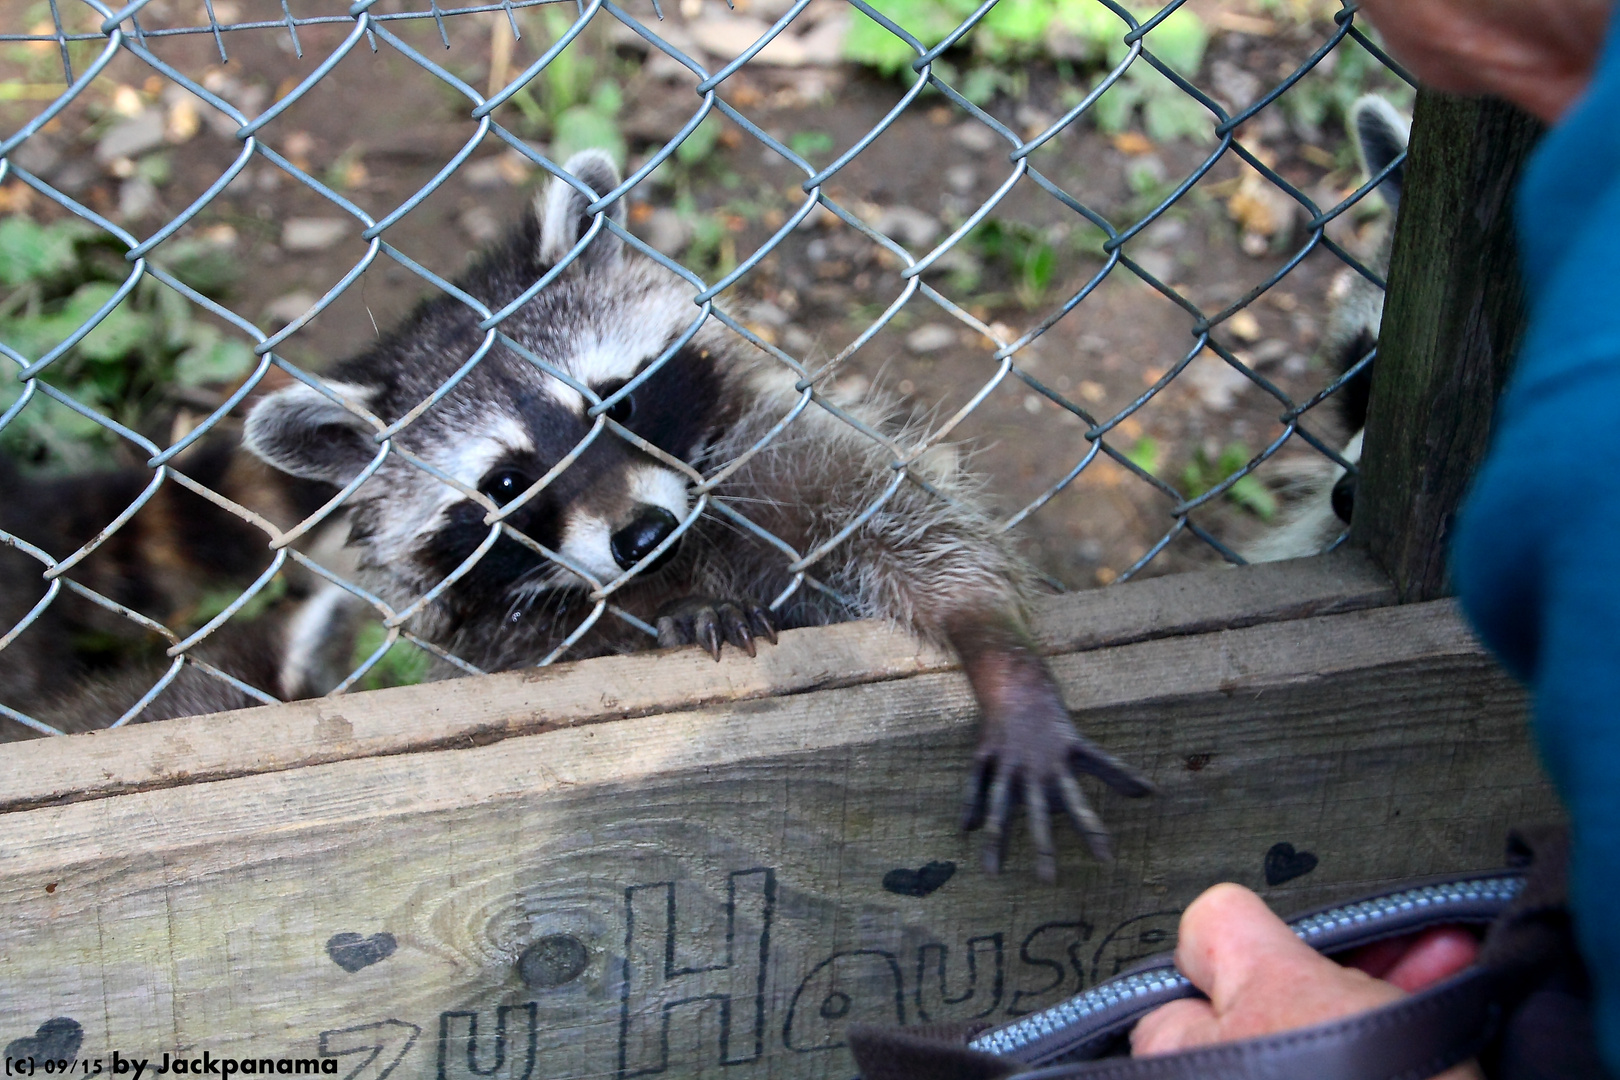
<point>649,528</point>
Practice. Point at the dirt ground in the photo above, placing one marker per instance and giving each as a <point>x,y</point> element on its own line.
<point>380,127</point>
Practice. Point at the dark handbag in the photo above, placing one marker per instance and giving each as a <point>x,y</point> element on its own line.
<point>1522,1009</point>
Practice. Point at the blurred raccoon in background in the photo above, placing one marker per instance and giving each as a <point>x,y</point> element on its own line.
<point>1323,493</point>
<point>79,666</point>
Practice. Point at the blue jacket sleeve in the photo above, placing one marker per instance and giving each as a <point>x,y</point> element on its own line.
<point>1536,558</point>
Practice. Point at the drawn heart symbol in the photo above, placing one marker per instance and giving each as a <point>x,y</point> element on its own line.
<point>54,1040</point>
<point>351,952</point>
<point>906,882</point>
<point>1283,863</point>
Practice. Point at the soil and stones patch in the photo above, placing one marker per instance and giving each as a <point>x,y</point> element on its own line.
<point>378,127</point>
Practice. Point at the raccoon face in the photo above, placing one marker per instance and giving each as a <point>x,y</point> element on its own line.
<point>607,503</point>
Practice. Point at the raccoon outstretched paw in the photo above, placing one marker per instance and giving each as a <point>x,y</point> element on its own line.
<point>1030,753</point>
<point>707,621</point>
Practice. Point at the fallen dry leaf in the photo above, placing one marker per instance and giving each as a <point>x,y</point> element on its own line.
<point>1133,143</point>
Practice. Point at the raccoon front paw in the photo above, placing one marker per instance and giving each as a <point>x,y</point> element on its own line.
<point>706,621</point>
<point>1030,753</point>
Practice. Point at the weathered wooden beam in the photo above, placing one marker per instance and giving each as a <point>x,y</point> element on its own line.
<point>1452,321</point>
<point>720,891</point>
<point>460,714</point>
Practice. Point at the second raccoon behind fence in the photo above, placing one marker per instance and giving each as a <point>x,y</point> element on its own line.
<point>1323,507</point>
<point>82,665</point>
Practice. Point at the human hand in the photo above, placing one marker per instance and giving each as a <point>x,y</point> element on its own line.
<point>1261,979</point>
<point>1538,54</point>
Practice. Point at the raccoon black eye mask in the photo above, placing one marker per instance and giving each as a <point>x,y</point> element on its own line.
<point>613,514</point>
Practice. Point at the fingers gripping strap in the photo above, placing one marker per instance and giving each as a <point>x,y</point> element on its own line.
<point>1411,1039</point>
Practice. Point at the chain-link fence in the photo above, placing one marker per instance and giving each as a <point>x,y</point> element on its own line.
<point>1171,193</point>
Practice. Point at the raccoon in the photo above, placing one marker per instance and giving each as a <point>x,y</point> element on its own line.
<point>1326,498</point>
<point>648,484</point>
<point>78,666</point>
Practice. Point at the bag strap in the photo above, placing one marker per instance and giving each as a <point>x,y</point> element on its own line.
<point>1411,1039</point>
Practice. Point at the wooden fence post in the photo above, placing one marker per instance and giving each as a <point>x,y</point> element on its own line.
<point>1452,323</point>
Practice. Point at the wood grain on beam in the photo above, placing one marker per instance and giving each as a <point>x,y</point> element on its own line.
<point>472,712</point>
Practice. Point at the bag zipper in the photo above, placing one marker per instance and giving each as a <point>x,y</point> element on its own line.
<point>1091,1019</point>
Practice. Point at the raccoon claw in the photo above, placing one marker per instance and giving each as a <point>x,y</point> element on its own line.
<point>737,631</point>
<point>710,623</point>
<point>707,631</point>
<point>1030,754</point>
<point>764,626</point>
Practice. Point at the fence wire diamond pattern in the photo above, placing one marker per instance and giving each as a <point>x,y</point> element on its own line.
<point>123,34</point>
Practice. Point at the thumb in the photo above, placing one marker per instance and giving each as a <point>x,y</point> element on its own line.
<point>1230,943</point>
<point>1259,977</point>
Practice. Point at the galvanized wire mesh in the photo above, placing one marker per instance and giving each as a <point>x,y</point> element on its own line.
<point>131,33</point>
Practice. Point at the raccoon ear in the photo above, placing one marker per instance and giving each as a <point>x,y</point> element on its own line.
<point>1381,134</point>
<point>561,210</point>
<point>301,431</point>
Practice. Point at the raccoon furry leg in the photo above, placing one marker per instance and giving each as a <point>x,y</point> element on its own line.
<point>937,566</point>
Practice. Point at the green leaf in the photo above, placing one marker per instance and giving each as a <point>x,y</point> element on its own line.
<point>1040,261</point>
<point>868,43</point>
<point>607,98</point>
<point>157,168</point>
<point>1094,24</point>
<point>1195,478</point>
<point>402,665</point>
<point>207,267</point>
<point>31,335</point>
<point>1145,455</point>
<point>1169,114</point>
<point>50,437</point>
<point>1013,28</point>
<point>170,309</point>
<point>980,84</point>
<point>583,128</point>
<point>1234,457</point>
<point>1145,181</point>
<point>1038,268</point>
<point>569,75</point>
<point>212,359</point>
<point>1114,111</point>
<point>1179,41</point>
<point>811,145</point>
<point>1253,495</point>
<point>115,337</point>
<point>30,252</point>
<point>700,144</point>
<point>214,601</point>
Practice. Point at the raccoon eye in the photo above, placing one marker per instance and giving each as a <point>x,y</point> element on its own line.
<point>620,410</point>
<point>504,486</point>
